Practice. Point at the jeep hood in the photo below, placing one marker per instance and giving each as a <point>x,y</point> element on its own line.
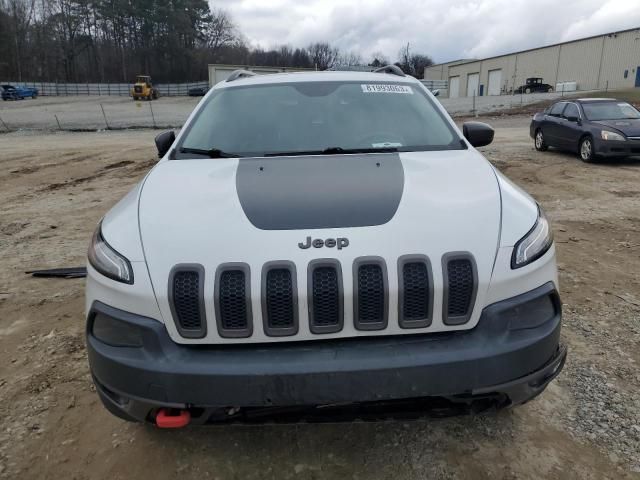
<point>214,211</point>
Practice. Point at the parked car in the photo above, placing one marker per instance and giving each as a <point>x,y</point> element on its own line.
<point>591,127</point>
<point>10,92</point>
<point>320,244</point>
<point>197,91</point>
<point>534,85</point>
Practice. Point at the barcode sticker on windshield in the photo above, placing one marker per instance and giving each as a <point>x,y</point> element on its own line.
<point>386,88</point>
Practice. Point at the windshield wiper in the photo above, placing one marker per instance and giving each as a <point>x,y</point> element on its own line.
<point>211,153</point>
<point>333,151</point>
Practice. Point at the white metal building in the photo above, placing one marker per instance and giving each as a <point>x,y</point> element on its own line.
<point>610,61</point>
<point>219,72</point>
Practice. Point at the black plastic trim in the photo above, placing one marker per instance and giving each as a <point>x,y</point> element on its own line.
<point>420,323</point>
<point>366,326</point>
<point>199,269</point>
<point>446,258</point>
<point>272,331</point>
<point>313,265</point>
<point>226,332</point>
<point>490,358</point>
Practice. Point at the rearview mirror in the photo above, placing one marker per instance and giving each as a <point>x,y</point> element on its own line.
<point>477,133</point>
<point>164,142</point>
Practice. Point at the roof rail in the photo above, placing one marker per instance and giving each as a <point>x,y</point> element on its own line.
<point>392,69</point>
<point>236,74</point>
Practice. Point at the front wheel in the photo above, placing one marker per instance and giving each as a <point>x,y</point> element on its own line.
<point>585,150</point>
<point>528,90</point>
<point>539,142</point>
<point>550,90</point>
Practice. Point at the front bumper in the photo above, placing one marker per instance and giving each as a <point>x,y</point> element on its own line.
<point>614,148</point>
<point>504,357</point>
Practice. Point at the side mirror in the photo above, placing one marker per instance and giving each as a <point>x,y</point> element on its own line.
<point>436,93</point>
<point>477,133</point>
<point>573,119</point>
<point>164,142</point>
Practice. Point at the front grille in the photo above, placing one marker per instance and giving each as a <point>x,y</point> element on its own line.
<point>279,302</point>
<point>186,296</point>
<point>370,304</point>
<point>415,292</point>
<point>325,296</point>
<point>460,289</point>
<point>233,301</point>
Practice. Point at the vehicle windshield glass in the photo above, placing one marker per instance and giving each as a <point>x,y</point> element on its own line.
<point>610,111</point>
<point>310,117</point>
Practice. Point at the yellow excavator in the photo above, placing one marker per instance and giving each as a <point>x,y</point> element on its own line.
<point>143,89</point>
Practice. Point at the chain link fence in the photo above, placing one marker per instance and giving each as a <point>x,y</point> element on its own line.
<point>82,113</point>
<point>48,89</point>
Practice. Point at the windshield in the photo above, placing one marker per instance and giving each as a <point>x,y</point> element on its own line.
<point>610,111</point>
<point>318,117</point>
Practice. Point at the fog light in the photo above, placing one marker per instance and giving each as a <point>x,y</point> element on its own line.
<point>115,332</point>
<point>531,314</point>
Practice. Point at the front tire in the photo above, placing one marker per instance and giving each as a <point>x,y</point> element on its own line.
<point>539,141</point>
<point>550,90</point>
<point>586,151</point>
<point>528,90</point>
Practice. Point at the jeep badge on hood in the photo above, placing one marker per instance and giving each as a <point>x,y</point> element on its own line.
<point>329,242</point>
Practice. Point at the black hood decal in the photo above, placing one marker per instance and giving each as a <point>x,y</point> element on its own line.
<point>327,191</point>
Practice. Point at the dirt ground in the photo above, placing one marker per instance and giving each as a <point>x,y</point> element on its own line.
<point>55,187</point>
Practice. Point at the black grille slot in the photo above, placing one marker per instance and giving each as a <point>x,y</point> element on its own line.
<point>186,297</point>
<point>415,299</point>
<point>232,301</point>
<point>325,296</point>
<point>233,308</point>
<point>279,299</point>
<point>371,292</point>
<point>461,289</point>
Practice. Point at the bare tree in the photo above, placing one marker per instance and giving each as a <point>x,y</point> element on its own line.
<point>220,31</point>
<point>418,63</point>
<point>323,56</point>
<point>21,13</point>
<point>349,59</point>
<point>378,59</point>
<point>413,63</point>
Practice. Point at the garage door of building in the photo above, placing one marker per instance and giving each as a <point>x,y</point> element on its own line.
<point>473,82</point>
<point>495,81</point>
<point>454,87</point>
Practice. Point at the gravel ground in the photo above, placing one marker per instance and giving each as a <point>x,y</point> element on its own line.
<point>586,425</point>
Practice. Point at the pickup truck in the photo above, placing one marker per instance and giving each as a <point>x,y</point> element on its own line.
<point>10,92</point>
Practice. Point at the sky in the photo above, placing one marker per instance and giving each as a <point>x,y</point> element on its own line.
<point>443,29</point>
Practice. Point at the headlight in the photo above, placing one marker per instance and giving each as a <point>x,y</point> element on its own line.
<point>534,244</point>
<point>107,261</point>
<point>607,135</point>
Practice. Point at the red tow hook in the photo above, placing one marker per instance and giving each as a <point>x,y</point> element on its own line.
<point>172,418</point>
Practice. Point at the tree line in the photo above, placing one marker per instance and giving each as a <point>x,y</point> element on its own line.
<point>172,40</point>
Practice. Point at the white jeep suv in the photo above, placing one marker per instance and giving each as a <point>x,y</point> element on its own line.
<point>319,243</point>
